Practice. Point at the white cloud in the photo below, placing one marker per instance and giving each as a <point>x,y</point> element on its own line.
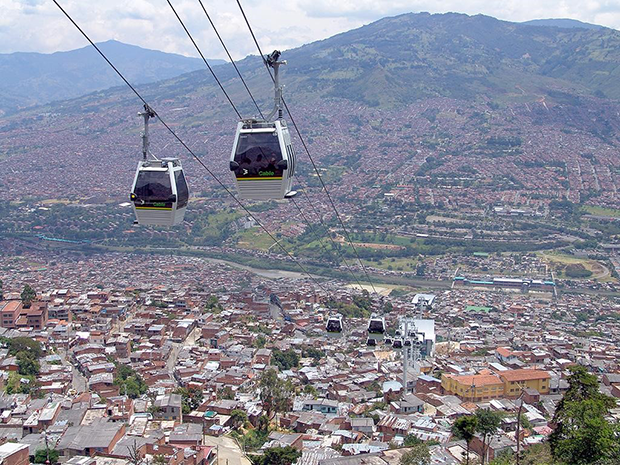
<point>38,25</point>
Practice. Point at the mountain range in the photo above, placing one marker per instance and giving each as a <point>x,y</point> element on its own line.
<point>390,62</point>
<point>399,60</point>
<point>37,78</point>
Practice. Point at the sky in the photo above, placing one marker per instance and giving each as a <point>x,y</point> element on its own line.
<point>39,26</point>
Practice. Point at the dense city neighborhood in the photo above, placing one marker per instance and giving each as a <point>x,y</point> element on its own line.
<point>115,358</point>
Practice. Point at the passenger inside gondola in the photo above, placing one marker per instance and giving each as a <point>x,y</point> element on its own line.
<point>153,186</point>
<point>258,156</point>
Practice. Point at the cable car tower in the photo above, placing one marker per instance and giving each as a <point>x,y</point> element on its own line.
<point>263,159</point>
<point>160,192</point>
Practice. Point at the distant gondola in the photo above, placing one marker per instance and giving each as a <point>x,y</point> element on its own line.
<point>334,324</point>
<point>376,325</point>
<point>159,193</point>
<point>371,342</point>
<point>397,344</point>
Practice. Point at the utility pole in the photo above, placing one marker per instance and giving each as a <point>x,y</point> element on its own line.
<point>518,434</point>
<point>405,358</point>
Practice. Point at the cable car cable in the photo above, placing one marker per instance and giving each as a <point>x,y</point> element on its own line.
<point>247,22</point>
<point>174,134</point>
<point>257,107</point>
<point>307,221</point>
<point>335,248</point>
<point>231,59</point>
<point>252,97</point>
<point>205,60</point>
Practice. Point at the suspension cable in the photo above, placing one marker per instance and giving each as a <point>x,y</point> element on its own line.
<point>336,249</point>
<point>303,142</point>
<point>174,134</point>
<point>204,59</point>
<point>307,221</point>
<point>231,59</point>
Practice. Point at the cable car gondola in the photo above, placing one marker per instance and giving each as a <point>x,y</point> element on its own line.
<point>160,192</point>
<point>334,324</point>
<point>376,325</point>
<point>263,158</point>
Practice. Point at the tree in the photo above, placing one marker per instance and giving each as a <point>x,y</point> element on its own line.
<point>41,456</point>
<point>276,395</point>
<point>238,418</point>
<point>503,458</point>
<point>28,295</point>
<point>285,360</point>
<point>418,455</point>
<point>465,428</point>
<point>411,440</point>
<point>226,393</point>
<point>488,424</point>
<point>129,381</point>
<point>27,364</point>
<point>191,398</point>
<point>582,434</point>
<point>278,456</point>
<point>160,459</point>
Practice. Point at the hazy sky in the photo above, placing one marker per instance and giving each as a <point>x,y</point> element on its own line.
<point>38,25</point>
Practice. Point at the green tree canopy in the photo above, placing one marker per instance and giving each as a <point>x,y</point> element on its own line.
<point>238,418</point>
<point>411,440</point>
<point>276,395</point>
<point>487,425</point>
<point>191,398</point>
<point>285,360</point>
<point>129,381</point>
<point>41,456</point>
<point>464,428</point>
<point>277,456</point>
<point>28,295</point>
<point>417,455</point>
<point>582,434</point>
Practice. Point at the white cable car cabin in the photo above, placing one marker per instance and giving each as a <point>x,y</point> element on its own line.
<point>376,325</point>
<point>160,192</point>
<point>334,324</point>
<point>263,160</point>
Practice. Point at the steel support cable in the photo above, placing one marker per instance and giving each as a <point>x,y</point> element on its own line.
<point>339,253</point>
<point>307,221</point>
<point>252,97</point>
<point>174,134</point>
<point>303,142</point>
<point>205,60</point>
<point>331,239</point>
<point>231,58</point>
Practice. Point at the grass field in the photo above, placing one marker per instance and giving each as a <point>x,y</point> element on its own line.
<point>396,264</point>
<point>253,239</point>
<point>600,211</point>
<point>557,261</point>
